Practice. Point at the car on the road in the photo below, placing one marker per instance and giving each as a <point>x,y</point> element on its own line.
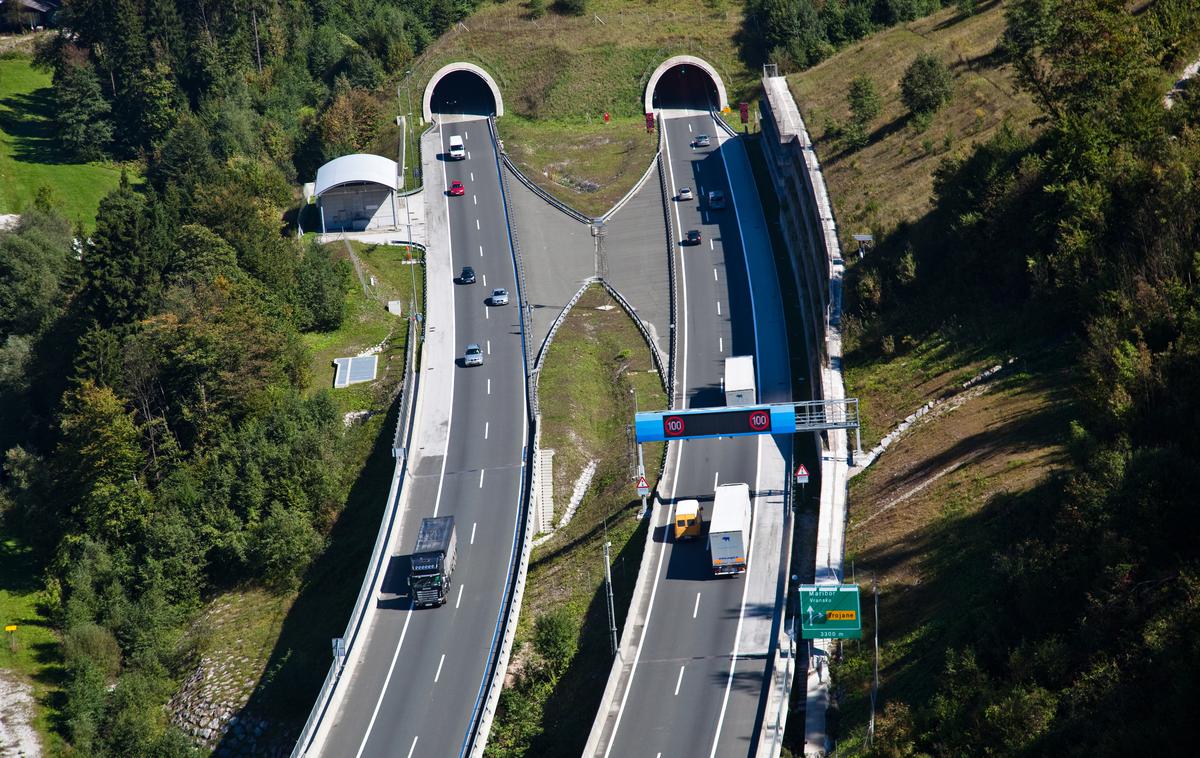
<point>457,189</point>
<point>499,296</point>
<point>467,275</point>
<point>473,356</point>
<point>716,200</point>
<point>702,140</point>
<point>685,193</point>
<point>692,238</point>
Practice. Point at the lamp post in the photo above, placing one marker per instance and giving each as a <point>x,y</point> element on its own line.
<point>641,464</point>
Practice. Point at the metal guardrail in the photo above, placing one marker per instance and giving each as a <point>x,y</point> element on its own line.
<point>543,194</point>
<point>671,247</point>
<point>485,710</point>
<point>649,338</point>
<point>377,563</point>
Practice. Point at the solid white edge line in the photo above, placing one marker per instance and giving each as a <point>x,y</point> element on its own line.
<point>438,674</point>
<point>737,639</point>
<point>441,478</point>
<point>637,655</point>
<point>679,681</point>
<point>758,465</point>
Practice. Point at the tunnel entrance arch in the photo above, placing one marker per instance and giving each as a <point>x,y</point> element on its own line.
<point>674,72</point>
<point>470,86</point>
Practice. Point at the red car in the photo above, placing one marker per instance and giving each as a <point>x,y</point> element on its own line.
<point>457,189</point>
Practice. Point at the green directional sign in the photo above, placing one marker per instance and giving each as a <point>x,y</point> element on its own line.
<point>830,611</point>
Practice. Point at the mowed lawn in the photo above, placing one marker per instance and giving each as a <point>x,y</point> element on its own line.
<point>30,156</point>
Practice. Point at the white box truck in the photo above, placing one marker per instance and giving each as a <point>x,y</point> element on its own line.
<point>729,529</point>
<point>739,380</point>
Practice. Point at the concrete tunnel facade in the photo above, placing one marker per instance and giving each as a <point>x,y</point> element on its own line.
<point>460,67</point>
<point>722,99</point>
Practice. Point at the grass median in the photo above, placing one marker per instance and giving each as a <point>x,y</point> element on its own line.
<point>597,364</point>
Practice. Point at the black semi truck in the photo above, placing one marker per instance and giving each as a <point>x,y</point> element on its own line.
<point>433,561</point>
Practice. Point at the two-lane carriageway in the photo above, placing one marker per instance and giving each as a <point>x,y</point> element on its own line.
<point>422,675</point>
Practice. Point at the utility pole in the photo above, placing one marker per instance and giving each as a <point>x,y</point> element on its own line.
<point>257,47</point>
<point>641,463</point>
<point>875,679</point>
<point>612,617</point>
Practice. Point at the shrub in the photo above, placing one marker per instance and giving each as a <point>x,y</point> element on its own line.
<point>926,85</point>
<point>571,7</point>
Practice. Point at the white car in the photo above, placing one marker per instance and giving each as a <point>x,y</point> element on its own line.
<point>499,296</point>
<point>700,141</point>
<point>685,193</point>
<point>473,356</point>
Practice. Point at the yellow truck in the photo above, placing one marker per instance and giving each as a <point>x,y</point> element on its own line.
<point>689,520</point>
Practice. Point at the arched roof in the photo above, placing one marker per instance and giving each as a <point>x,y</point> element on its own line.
<point>359,167</point>
<point>685,60</point>
<point>449,68</point>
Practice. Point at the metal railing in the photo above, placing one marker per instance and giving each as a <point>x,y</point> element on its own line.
<point>485,707</point>
<point>671,247</point>
<point>543,194</point>
<point>378,561</point>
<point>813,415</point>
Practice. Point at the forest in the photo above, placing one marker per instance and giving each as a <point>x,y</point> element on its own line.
<point>1084,233</point>
<point>157,443</point>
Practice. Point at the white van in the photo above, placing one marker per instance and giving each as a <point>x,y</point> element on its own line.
<point>457,151</point>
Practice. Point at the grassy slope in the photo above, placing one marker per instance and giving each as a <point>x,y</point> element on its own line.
<point>29,157</point>
<point>32,651</point>
<point>559,74</point>
<point>595,359</point>
<point>277,646</point>
<point>919,516</point>
<point>891,179</point>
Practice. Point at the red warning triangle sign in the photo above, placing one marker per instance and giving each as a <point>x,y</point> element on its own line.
<point>642,484</point>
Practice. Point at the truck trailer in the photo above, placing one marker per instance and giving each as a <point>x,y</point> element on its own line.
<point>433,561</point>
<point>729,529</point>
<point>739,380</point>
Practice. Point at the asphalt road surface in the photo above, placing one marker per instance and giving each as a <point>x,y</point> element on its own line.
<point>687,696</point>
<point>422,675</point>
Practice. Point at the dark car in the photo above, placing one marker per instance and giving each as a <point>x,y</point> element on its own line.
<point>692,238</point>
<point>467,276</point>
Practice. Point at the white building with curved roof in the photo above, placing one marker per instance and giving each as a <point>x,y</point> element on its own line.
<point>357,193</point>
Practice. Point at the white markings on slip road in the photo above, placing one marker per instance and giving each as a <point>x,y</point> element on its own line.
<point>696,607</point>
<point>473,525</point>
<point>487,425</point>
<point>459,600</point>
<point>678,681</point>
<point>438,675</point>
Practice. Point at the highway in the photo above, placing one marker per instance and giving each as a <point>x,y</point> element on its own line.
<point>423,672</point>
<point>688,695</point>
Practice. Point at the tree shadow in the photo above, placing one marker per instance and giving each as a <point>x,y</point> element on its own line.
<point>568,713</point>
<point>302,655</point>
<point>27,118</point>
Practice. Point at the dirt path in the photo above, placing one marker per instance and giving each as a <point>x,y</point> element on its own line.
<point>17,737</point>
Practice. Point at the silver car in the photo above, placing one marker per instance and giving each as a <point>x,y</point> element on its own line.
<point>499,296</point>
<point>716,200</point>
<point>700,141</point>
<point>685,193</point>
<point>473,356</point>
